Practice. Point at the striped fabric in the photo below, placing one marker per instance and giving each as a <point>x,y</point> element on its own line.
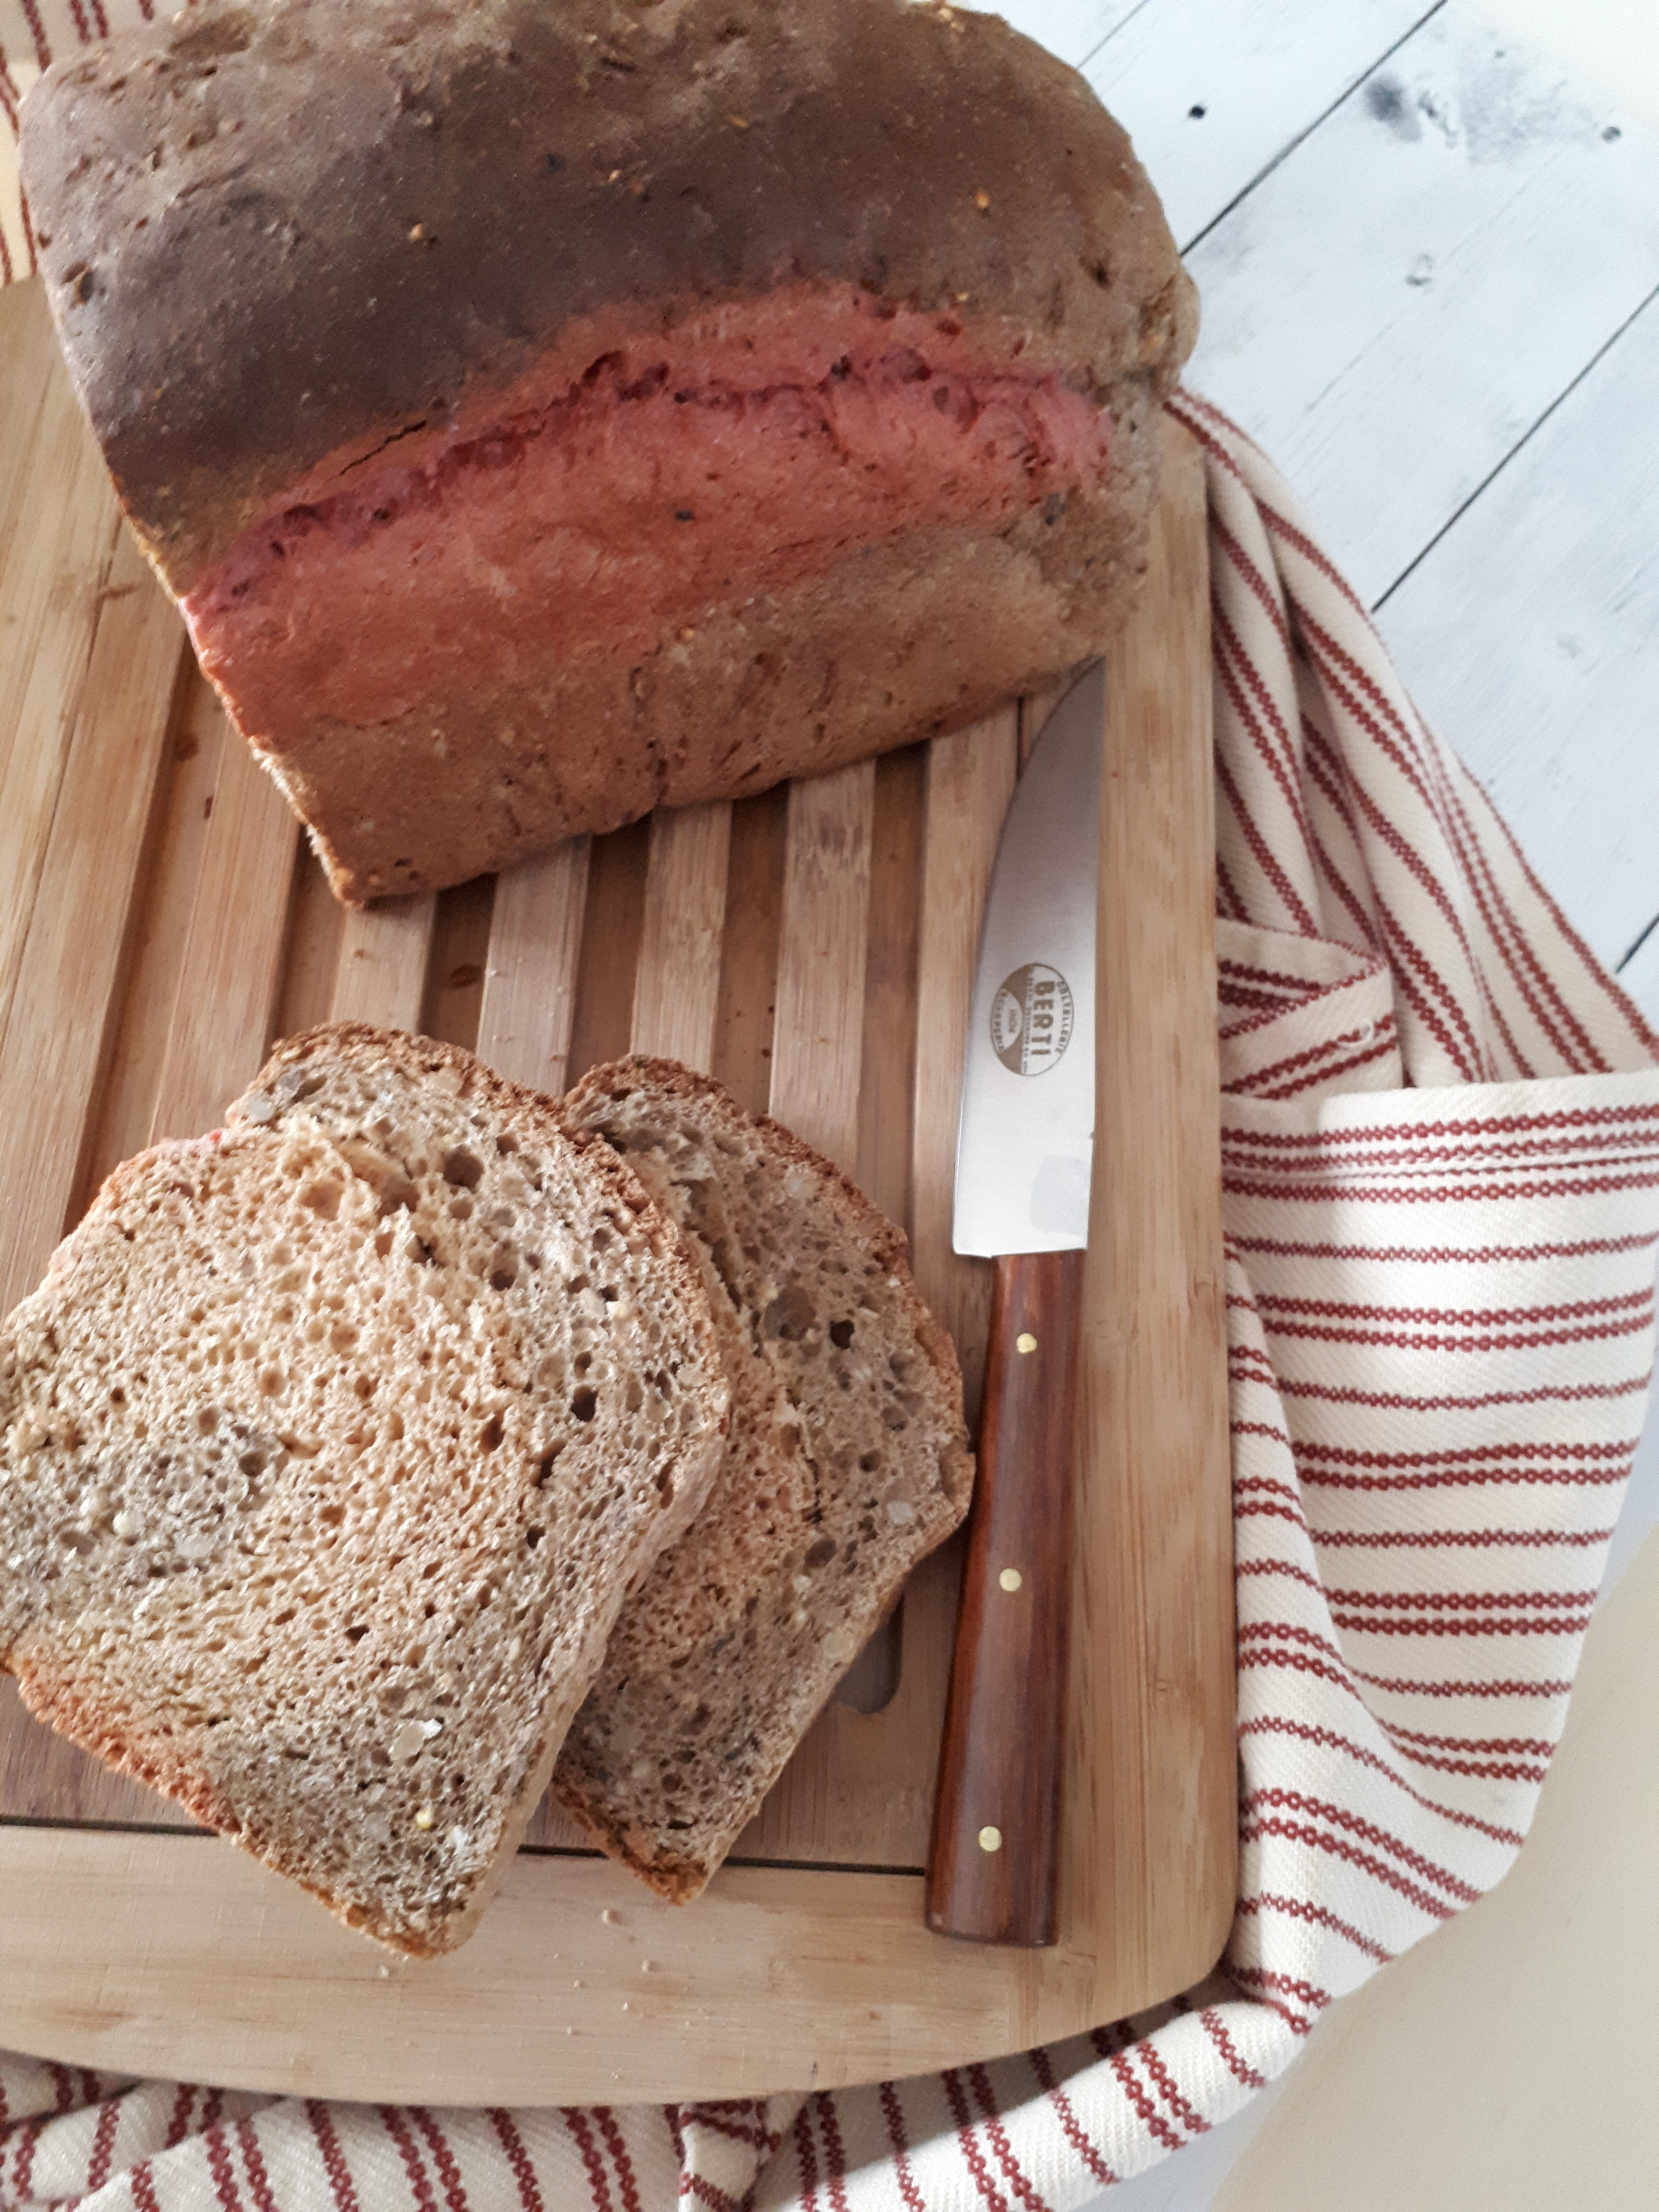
<point>1442,1174</point>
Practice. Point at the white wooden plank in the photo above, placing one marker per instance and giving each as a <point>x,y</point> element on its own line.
<point>1212,92</point>
<point>1394,307</point>
<point>1070,28</point>
<point>1638,1516</point>
<point>1609,43</point>
<point>1529,637</point>
<point>1640,975</point>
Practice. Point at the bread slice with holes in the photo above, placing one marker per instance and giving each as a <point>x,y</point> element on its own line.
<point>329,1450</point>
<point>847,1460</point>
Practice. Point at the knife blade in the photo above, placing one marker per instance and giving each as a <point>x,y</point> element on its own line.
<point>1024,1155</point>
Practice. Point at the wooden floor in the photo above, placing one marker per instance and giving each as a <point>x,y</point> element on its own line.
<point>1428,254</point>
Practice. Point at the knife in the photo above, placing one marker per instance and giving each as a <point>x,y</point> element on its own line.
<point>1025,1154</point>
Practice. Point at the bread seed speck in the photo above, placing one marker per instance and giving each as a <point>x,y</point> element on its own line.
<point>1010,1578</point>
<point>981,201</point>
<point>990,1839</point>
<point>406,1741</point>
<point>1025,1341</point>
<point>425,1817</point>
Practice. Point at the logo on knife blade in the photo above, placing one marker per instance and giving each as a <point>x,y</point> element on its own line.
<point>1032,1019</point>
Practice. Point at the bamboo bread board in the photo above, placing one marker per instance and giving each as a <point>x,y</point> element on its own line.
<point>161,921</point>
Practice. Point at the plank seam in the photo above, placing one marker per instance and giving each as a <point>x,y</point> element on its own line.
<point>1324,115</point>
<point>1640,941</point>
<point>104,1827</point>
<point>1122,24</point>
<point>1525,440</point>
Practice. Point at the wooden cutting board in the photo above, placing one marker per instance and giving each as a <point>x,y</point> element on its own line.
<point>161,921</point>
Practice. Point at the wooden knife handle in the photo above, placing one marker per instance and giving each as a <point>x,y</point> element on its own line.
<point>992,1862</point>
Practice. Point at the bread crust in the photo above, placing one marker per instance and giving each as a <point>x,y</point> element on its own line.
<point>239,298</point>
<point>281,242</point>
<point>675,1647</point>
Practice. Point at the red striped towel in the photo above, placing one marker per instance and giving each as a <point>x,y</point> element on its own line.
<point>1442,1175</point>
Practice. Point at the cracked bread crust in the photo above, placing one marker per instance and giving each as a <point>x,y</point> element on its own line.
<point>329,1449</point>
<point>845,1462</point>
<point>227,207</point>
<point>288,247</point>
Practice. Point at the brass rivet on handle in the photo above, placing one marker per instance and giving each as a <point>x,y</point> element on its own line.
<point>1025,1341</point>
<point>1010,1578</point>
<point>990,1839</point>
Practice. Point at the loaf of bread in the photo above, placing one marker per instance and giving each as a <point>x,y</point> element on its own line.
<point>329,1450</point>
<point>847,1460</point>
<point>546,411</point>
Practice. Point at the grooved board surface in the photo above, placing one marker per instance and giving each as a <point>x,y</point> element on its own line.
<point>161,921</point>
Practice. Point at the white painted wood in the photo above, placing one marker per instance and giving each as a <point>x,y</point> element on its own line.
<point>1640,975</point>
<point>1070,28</point>
<point>1396,305</point>
<point>1261,75</point>
<point>1529,637</point>
<point>1639,1516</point>
<point>1613,44</point>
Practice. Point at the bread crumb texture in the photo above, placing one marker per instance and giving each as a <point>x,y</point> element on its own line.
<point>331,1446</point>
<point>846,1461</point>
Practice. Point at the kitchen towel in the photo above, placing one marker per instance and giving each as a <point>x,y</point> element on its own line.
<point>1441,1155</point>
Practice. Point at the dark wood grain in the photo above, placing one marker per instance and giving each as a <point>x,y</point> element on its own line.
<point>992,1864</point>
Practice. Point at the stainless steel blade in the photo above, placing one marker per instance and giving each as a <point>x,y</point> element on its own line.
<point>1026,1142</point>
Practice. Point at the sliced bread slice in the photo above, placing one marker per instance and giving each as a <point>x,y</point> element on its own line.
<point>847,1460</point>
<point>329,1450</point>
